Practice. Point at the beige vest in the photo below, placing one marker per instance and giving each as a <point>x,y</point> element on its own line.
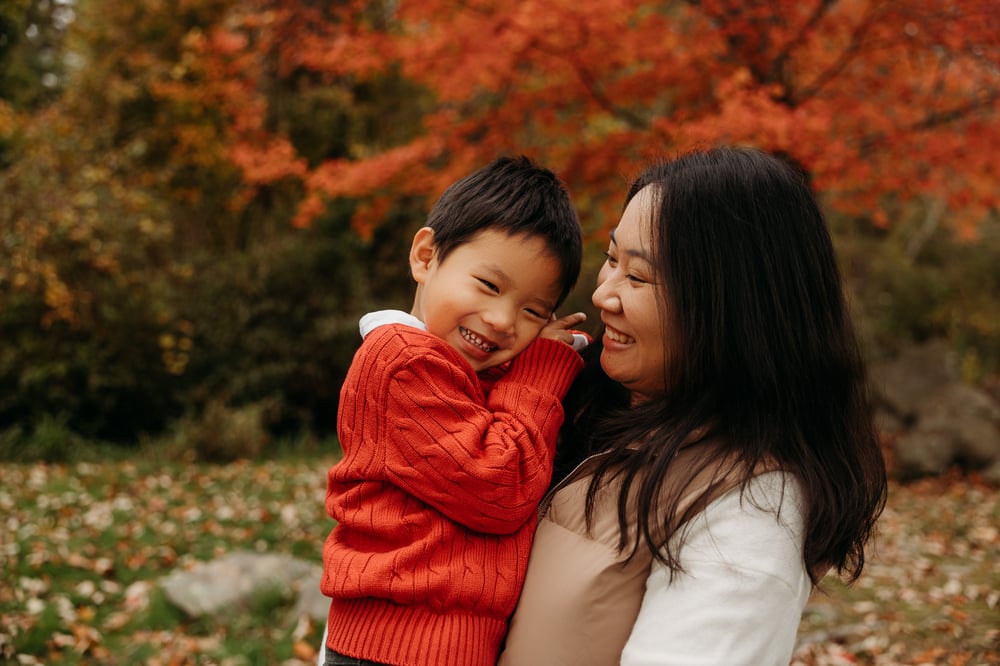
<point>580,597</point>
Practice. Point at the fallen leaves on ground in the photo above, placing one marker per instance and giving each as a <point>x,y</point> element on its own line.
<point>83,546</point>
<point>930,593</point>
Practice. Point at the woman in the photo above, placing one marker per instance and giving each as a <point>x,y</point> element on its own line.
<point>723,453</point>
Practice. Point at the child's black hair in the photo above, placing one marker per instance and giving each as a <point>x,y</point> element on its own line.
<point>518,197</point>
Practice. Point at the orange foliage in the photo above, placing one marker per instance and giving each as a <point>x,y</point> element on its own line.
<point>266,164</point>
<point>873,97</point>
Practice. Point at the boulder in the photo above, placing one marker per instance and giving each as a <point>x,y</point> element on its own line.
<point>955,424</point>
<point>901,385</point>
<point>934,419</point>
<point>229,582</point>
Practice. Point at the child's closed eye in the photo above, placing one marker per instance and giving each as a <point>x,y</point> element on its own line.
<point>489,285</point>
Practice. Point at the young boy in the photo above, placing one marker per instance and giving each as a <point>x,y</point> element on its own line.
<point>448,420</point>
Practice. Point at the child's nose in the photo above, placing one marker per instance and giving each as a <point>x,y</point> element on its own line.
<point>501,318</point>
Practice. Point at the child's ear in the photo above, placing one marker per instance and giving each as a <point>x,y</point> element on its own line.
<point>421,253</point>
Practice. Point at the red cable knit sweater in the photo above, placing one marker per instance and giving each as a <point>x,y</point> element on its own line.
<point>436,496</point>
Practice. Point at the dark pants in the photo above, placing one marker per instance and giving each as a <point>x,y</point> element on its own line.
<point>336,659</point>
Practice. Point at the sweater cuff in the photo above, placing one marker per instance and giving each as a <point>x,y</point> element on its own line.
<point>548,365</point>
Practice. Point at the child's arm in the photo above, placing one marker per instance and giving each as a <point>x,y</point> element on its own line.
<point>483,464</point>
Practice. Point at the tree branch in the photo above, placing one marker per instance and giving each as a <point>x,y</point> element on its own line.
<point>778,66</point>
<point>936,119</point>
<point>831,72</point>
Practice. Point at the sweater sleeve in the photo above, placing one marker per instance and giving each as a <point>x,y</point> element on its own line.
<point>484,465</point>
<point>740,598</point>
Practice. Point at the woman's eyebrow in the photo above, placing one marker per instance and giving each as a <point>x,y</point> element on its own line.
<point>639,254</point>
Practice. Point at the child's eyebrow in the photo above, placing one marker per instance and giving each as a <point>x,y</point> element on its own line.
<point>496,272</point>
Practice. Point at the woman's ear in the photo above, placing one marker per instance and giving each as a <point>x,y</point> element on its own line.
<point>421,253</point>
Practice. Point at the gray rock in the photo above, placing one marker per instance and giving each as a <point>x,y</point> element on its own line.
<point>955,424</point>
<point>991,474</point>
<point>903,384</point>
<point>923,453</point>
<point>933,420</point>
<point>232,580</point>
<point>887,423</point>
<point>311,601</point>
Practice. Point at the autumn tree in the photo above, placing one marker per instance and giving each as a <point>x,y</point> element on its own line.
<point>892,106</point>
<point>143,270</point>
<point>211,190</point>
<point>32,51</point>
<point>883,101</point>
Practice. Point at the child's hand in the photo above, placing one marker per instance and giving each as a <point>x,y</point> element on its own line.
<point>561,329</point>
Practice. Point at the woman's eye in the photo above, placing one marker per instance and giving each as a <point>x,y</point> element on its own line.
<point>635,280</point>
<point>610,258</point>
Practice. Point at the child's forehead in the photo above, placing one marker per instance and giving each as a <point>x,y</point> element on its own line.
<point>500,236</point>
<point>508,247</point>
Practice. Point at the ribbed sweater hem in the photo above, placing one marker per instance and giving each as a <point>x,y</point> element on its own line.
<point>389,633</point>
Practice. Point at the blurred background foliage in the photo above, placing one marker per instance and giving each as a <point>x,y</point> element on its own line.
<point>159,284</point>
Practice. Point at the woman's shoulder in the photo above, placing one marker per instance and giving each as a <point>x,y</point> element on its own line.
<point>760,525</point>
<point>742,569</point>
<point>772,492</point>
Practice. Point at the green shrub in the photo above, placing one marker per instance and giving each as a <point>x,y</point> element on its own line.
<point>84,275</point>
<point>278,322</point>
<point>910,285</point>
<point>219,434</point>
<point>48,440</point>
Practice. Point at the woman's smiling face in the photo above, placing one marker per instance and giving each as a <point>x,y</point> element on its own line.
<point>630,296</point>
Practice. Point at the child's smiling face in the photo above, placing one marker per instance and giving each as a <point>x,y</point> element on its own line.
<point>490,297</point>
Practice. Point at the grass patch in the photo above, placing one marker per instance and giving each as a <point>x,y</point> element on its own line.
<point>929,593</point>
<point>83,545</point>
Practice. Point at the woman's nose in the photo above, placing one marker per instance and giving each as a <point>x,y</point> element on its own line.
<point>605,296</point>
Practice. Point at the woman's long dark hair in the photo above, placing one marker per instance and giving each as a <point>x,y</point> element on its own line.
<point>763,361</point>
